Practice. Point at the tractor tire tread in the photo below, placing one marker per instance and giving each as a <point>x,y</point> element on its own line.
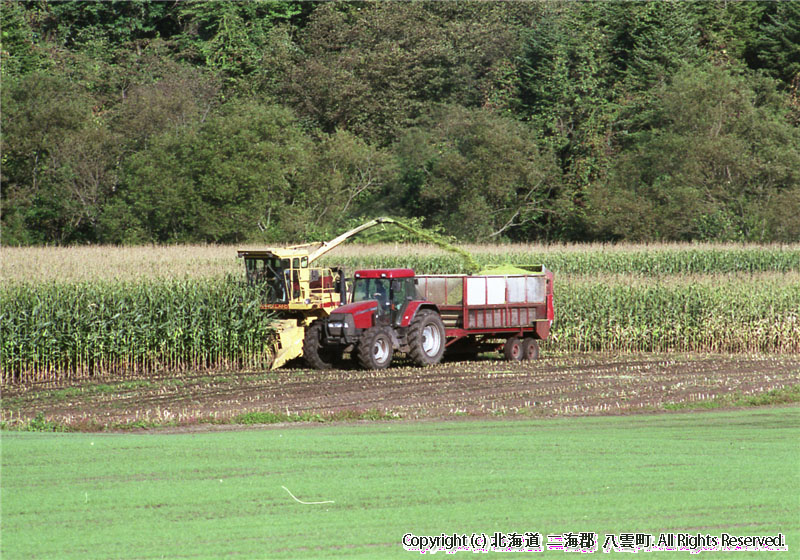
<point>364,349</point>
<point>415,338</point>
<point>314,353</point>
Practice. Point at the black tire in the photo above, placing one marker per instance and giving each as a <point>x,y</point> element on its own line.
<point>530,349</point>
<point>314,353</point>
<point>375,349</point>
<point>426,338</point>
<point>513,349</point>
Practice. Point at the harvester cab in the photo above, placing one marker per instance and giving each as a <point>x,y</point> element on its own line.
<point>290,283</point>
<point>297,292</point>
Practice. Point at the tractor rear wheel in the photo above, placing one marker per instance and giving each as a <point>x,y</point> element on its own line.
<point>375,348</point>
<point>315,354</point>
<point>426,338</point>
<point>530,349</point>
<point>513,349</point>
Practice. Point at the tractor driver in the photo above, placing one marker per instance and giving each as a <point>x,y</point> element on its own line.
<point>381,295</point>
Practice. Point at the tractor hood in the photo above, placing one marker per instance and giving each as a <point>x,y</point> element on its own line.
<point>361,314</point>
<point>357,308</point>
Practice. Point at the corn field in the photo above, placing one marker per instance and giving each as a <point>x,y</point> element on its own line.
<point>730,299</point>
<point>714,313</point>
<point>56,331</point>
<point>90,263</point>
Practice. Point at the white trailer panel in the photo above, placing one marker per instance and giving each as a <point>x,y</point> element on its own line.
<point>476,290</point>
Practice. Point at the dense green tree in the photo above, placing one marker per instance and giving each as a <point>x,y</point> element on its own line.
<point>581,60</point>
<point>729,30</point>
<point>18,53</point>
<point>85,167</point>
<point>563,82</point>
<point>248,172</point>
<point>219,181</point>
<point>565,90</point>
<point>563,76</point>
<point>648,41</point>
<point>80,24</point>
<point>42,115</point>
<point>237,39</point>
<point>372,68</point>
<point>481,176</point>
<point>711,159</point>
<point>165,95</point>
<point>220,121</point>
<point>778,44</point>
<point>341,180</point>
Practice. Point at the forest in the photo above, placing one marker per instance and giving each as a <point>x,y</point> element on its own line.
<point>142,121</point>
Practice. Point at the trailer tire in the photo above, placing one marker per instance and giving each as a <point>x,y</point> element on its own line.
<point>513,349</point>
<point>314,353</point>
<point>426,338</point>
<point>375,348</point>
<point>530,349</point>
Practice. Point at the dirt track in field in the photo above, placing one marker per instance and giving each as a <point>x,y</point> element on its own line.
<point>583,385</point>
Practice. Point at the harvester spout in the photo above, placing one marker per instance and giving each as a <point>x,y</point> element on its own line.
<point>471,265</point>
<point>333,243</point>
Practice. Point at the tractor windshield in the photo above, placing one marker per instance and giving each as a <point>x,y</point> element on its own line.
<point>391,295</point>
<point>271,273</point>
<point>372,288</point>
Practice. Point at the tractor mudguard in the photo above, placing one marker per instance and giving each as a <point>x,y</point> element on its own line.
<point>411,311</point>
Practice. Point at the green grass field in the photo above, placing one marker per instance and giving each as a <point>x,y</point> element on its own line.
<point>218,494</point>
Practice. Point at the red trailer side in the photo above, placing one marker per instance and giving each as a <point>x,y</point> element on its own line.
<point>491,306</point>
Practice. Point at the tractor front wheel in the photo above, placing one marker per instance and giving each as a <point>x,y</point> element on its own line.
<point>375,349</point>
<point>315,354</point>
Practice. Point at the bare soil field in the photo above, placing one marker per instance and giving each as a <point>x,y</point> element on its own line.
<point>589,384</point>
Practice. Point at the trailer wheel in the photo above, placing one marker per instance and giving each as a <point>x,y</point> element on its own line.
<point>530,349</point>
<point>426,338</point>
<point>513,349</point>
<point>375,349</point>
<point>314,353</point>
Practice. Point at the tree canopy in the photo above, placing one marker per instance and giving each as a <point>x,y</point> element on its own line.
<point>146,121</point>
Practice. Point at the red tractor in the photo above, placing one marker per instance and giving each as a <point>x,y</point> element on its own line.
<point>396,310</point>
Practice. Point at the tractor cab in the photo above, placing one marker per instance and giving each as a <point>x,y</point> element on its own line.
<point>385,314</point>
<point>392,289</point>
